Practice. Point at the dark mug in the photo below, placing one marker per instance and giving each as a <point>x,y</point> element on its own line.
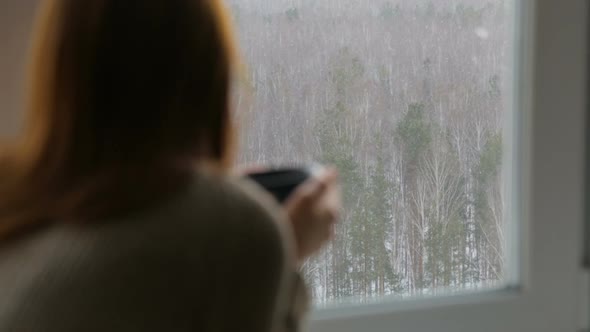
<point>281,182</point>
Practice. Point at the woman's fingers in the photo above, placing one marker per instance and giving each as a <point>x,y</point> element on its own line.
<point>306,194</point>
<point>314,208</point>
<point>324,183</point>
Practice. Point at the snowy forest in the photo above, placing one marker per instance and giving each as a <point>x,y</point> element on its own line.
<point>407,99</point>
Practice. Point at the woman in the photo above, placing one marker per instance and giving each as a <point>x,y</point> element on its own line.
<point>104,223</point>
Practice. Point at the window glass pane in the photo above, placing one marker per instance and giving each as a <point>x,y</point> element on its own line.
<point>407,98</point>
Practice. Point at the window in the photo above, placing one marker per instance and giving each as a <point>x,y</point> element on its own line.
<point>458,135</point>
<point>407,99</point>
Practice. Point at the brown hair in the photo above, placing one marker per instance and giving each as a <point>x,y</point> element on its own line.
<point>119,92</point>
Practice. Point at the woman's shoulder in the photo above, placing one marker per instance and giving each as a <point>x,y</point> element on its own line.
<point>229,204</point>
<point>227,195</point>
<point>238,213</point>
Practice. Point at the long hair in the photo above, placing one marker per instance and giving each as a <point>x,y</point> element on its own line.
<point>120,92</point>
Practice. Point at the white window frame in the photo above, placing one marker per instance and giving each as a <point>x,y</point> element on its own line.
<point>547,289</point>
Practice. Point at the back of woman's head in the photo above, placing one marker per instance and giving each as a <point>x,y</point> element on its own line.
<point>116,85</point>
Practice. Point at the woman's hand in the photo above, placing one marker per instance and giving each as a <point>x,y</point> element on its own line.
<point>313,210</point>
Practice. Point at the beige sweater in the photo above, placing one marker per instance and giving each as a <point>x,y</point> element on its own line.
<point>216,257</point>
